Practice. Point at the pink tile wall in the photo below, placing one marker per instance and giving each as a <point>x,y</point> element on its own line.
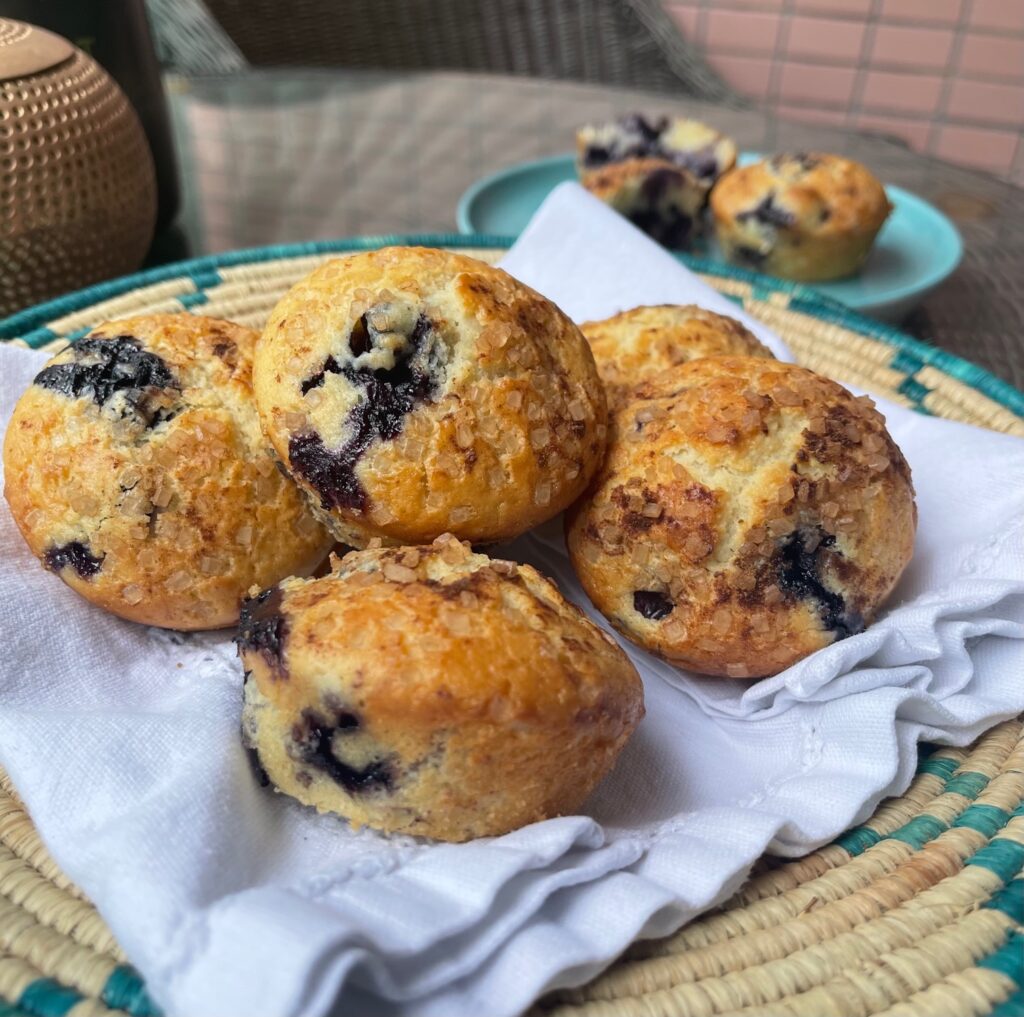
<point>946,76</point>
<point>824,39</point>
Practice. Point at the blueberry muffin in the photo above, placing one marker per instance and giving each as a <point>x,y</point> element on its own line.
<point>809,216</point>
<point>655,173</point>
<point>136,471</point>
<point>412,392</point>
<point>641,343</point>
<point>432,691</point>
<point>749,512</point>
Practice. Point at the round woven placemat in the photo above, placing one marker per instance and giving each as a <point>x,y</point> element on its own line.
<point>823,334</point>
<point>918,912</point>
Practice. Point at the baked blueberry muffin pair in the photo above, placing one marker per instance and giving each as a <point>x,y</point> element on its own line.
<point>748,512</point>
<point>427,689</point>
<point>406,392</point>
<point>810,216</point>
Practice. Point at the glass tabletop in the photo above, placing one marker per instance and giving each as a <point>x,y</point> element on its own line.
<point>275,156</point>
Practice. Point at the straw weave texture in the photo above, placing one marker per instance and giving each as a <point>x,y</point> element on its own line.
<point>916,913</point>
<point>822,334</point>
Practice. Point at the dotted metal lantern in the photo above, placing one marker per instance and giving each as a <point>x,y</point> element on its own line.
<point>77,188</point>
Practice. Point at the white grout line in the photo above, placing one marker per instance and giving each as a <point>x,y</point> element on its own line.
<point>942,107</point>
<point>855,106</point>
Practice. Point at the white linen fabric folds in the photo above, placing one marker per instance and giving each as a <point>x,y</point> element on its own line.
<point>123,742</point>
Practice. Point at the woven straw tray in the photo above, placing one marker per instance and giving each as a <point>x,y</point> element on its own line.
<point>918,912</point>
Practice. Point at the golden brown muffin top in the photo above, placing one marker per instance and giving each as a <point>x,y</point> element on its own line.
<point>811,191</point>
<point>734,487</point>
<point>415,391</point>
<point>136,469</point>
<point>643,342</point>
<point>435,636</point>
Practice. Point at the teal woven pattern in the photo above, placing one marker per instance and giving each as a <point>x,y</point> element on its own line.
<point>964,800</point>
<point>1005,858</point>
<point>955,794</point>
<point>46,997</point>
<point>126,991</point>
<point>909,355</point>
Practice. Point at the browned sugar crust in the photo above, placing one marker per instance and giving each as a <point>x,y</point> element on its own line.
<point>433,691</point>
<point>748,513</point>
<point>136,470</point>
<point>413,391</point>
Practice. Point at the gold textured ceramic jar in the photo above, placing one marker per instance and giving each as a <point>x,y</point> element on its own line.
<point>77,189</point>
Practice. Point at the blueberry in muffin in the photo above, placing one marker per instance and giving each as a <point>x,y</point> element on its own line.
<point>809,216</point>
<point>412,392</point>
<point>748,513</point>
<point>136,471</point>
<point>432,691</point>
<point>657,173</point>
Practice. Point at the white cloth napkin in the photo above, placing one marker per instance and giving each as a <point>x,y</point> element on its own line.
<point>123,741</point>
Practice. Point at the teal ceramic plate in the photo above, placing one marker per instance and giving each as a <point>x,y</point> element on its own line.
<point>917,249</point>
